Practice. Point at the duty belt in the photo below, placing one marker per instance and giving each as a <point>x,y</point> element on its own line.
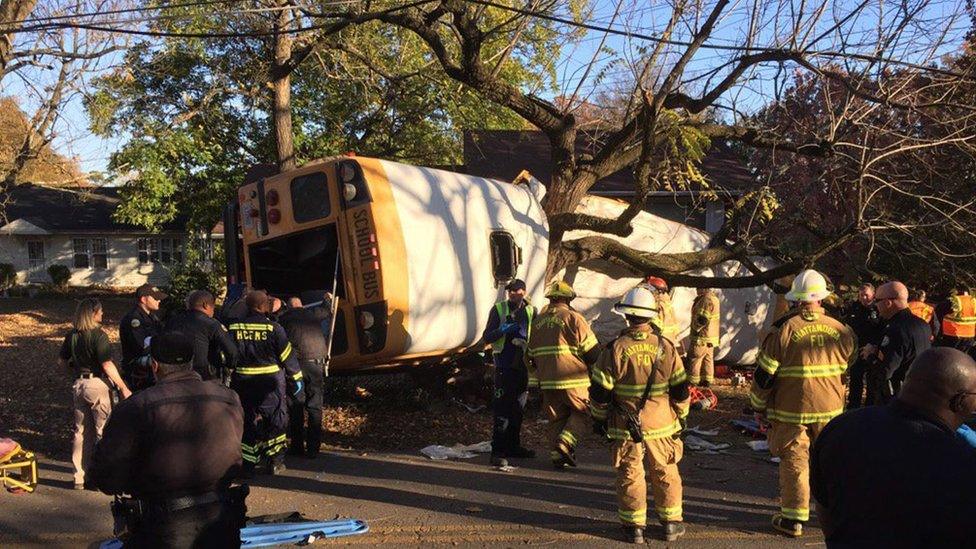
<point>178,504</point>
<point>316,361</point>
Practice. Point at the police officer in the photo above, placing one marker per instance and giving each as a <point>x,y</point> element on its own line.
<point>306,329</point>
<point>213,348</point>
<point>639,399</point>
<point>905,337</point>
<point>508,328</point>
<point>266,366</point>
<point>135,331</point>
<point>175,447</point>
<point>862,316</point>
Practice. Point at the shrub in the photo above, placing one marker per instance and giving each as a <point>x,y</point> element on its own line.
<point>60,274</point>
<point>8,276</point>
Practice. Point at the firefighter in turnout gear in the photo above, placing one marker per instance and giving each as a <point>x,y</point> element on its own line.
<point>704,337</point>
<point>561,348</point>
<point>508,331</point>
<point>666,320</point>
<point>266,366</point>
<point>798,385</point>
<point>639,398</point>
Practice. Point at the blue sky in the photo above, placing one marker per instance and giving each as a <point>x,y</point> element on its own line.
<point>612,65</point>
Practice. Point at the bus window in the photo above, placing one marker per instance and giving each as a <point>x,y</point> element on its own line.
<point>504,256</point>
<point>310,197</point>
<point>300,264</point>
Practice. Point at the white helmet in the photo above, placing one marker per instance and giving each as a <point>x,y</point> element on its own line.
<point>808,286</point>
<point>639,302</point>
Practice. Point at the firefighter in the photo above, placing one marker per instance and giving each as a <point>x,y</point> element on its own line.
<point>704,337</point>
<point>508,331</point>
<point>640,376</point>
<point>666,319</point>
<point>266,366</point>
<point>959,323</point>
<point>561,348</point>
<point>136,330</point>
<point>921,309</point>
<point>797,384</point>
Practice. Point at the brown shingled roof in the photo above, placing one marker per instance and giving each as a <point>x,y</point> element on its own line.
<point>503,154</point>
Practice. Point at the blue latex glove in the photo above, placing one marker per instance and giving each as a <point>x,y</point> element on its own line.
<point>299,385</point>
<point>510,328</point>
<point>968,434</point>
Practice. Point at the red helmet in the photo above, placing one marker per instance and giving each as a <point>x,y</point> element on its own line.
<point>657,282</point>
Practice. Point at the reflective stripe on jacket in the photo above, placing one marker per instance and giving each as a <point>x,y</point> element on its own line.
<point>705,320</point>
<point>560,337</point>
<point>503,311</point>
<point>961,322</point>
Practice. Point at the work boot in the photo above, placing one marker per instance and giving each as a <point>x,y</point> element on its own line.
<point>790,527</point>
<point>705,384</point>
<point>296,451</point>
<point>634,534</point>
<point>567,454</point>
<point>673,530</point>
<point>522,453</point>
<point>277,466</point>
<point>498,461</point>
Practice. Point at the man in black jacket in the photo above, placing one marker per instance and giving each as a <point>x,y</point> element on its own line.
<point>306,329</point>
<point>862,316</point>
<point>136,330</point>
<point>175,447</point>
<point>213,348</point>
<point>903,339</point>
<point>899,475</point>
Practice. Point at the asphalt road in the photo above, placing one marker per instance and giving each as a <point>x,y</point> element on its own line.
<point>409,500</point>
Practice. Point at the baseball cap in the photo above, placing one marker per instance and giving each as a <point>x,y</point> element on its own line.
<point>171,348</point>
<point>515,285</point>
<point>149,289</point>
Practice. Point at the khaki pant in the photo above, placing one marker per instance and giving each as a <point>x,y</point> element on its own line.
<point>791,443</point>
<point>701,364</point>
<point>628,459</point>
<point>93,404</point>
<point>568,415</point>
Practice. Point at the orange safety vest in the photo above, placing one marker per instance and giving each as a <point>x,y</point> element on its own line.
<point>961,322</point>
<point>922,310</point>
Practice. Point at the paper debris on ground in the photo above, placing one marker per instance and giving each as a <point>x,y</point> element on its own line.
<point>698,444</point>
<point>458,451</point>
<point>758,445</point>
<point>702,432</point>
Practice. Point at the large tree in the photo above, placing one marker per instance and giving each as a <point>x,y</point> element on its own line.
<point>692,78</point>
<point>202,109</point>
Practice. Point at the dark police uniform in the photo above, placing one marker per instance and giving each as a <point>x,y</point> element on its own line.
<point>905,337</point>
<point>511,376</point>
<point>175,447</point>
<point>867,325</point>
<point>134,328</point>
<point>213,348</point>
<point>306,330</point>
<point>265,365</point>
<point>893,476</point>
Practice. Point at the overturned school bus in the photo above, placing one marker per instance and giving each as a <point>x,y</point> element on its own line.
<point>418,257</point>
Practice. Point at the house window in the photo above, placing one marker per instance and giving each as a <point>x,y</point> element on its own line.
<point>90,253</point>
<point>160,250</point>
<point>99,247</point>
<point>81,253</point>
<point>35,254</point>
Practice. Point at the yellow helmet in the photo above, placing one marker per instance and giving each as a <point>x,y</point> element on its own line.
<point>559,288</point>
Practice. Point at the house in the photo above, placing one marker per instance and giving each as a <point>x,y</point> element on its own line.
<point>503,154</point>
<point>73,226</point>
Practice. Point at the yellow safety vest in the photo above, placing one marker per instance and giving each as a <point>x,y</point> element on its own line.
<point>502,308</point>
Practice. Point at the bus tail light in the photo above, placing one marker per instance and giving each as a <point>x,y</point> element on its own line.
<point>354,189</point>
<point>372,327</point>
<point>274,216</point>
<point>272,198</point>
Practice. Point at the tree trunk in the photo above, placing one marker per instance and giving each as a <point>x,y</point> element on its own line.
<point>281,86</point>
<point>10,12</point>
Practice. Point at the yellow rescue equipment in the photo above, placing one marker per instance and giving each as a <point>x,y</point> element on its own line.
<point>18,468</point>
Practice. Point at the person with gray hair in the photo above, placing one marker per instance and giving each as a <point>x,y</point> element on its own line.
<point>213,348</point>
<point>899,475</point>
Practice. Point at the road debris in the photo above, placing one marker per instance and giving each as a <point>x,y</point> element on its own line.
<point>458,451</point>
